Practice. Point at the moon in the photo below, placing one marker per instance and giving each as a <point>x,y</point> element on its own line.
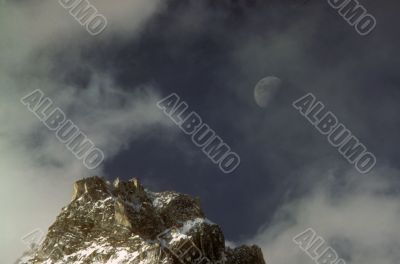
<point>266,89</point>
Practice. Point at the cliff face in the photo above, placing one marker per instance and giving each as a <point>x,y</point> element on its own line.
<point>124,223</point>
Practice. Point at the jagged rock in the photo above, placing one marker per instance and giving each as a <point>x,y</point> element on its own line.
<point>124,223</point>
<point>94,187</point>
<point>121,215</point>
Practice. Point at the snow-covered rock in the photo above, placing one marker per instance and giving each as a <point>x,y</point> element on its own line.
<point>124,223</point>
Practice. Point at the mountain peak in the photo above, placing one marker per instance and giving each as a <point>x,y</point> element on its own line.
<point>124,223</point>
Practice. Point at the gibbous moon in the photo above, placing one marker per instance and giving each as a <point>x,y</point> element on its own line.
<point>266,89</point>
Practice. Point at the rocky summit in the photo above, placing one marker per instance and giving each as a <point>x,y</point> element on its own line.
<point>122,222</point>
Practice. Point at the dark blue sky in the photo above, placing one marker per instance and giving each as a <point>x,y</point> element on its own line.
<point>212,55</point>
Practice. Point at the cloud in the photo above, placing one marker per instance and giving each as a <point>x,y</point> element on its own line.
<point>37,171</point>
<point>359,220</point>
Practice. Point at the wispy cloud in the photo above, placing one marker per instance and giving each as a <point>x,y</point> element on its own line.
<point>359,219</point>
<point>37,171</point>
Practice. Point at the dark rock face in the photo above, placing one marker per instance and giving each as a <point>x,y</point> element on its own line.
<point>124,223</point>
